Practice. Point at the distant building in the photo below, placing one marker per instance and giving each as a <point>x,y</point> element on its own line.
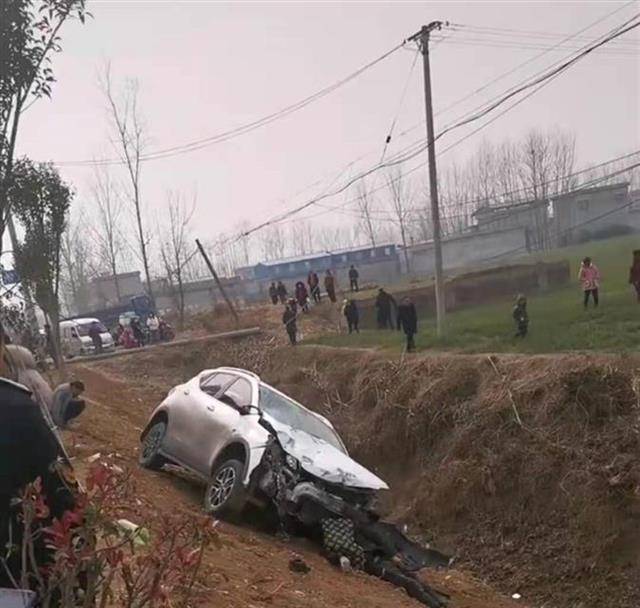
<point>475,248</point>
<point>104,290</point>
<point>531,216</point>
<point>599,212</point>
<point>379,265</point>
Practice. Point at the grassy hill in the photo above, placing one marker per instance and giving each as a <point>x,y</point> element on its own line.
<point>557,319</point>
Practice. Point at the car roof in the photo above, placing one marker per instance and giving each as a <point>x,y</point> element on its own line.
<point>238,371</point>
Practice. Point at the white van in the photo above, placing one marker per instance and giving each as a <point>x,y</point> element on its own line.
<point>75,340</point>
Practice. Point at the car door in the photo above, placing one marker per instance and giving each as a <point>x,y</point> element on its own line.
<point>186,406</point>
<point>200,418</point>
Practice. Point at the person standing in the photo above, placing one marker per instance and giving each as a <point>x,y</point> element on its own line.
<point>153,325</point>
<point>384,303</point>
<point>330,285</point>
<point>29,449</point>
<point>282,292</point>
<point>138,335</point>
<point>67,404</point>
<point>354,275</point>
<point>273,293</point>
<point>634,273</point>
<point>521,317</point>
<point>290,324</point>
<point>302,296</point>
<point>352,314</point>
<point>590,279</point>
<point>408,322</point>
<point>95,333</point>
<point>314,286</point>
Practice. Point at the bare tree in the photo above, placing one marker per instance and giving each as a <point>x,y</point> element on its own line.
<point>401,206</point>
<point>365,204</point>
<point>272,242</point>
<point>176,249</point>
<point>130,141</point>
<point>107,233</point>
<point>77,258</point>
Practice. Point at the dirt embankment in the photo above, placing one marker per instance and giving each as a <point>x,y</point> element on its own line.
<point>527,468</point>
<point>250,569</point>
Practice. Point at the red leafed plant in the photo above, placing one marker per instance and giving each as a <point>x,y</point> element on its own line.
<point>97,559</point>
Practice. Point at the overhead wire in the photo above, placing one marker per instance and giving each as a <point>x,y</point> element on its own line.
<point>542,80</point>
<point>242,129</point>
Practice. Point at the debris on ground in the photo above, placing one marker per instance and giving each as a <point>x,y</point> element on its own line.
<point>298,565</point>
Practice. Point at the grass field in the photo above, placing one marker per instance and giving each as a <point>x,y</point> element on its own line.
<point>557,319</point>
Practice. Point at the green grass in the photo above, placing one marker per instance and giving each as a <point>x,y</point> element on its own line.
<point>557,319</point>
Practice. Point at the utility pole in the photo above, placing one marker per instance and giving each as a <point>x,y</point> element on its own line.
<point>422,37</point>
<point>212,270</point>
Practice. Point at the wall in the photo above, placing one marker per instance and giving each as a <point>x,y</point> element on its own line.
<point>481,287</point>
<point>469,250</point>
<point>578,217</point>
<point>103,293</point>
<point>532,217</point>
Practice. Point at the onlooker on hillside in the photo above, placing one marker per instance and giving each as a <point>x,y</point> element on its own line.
<point>138,334</point>
<point>351,313</point>
<point>521,317</point>
<point>273,293</point>
<point>590,278</point>
<point>408,321</point>
<point>634,273</point>
<point>330,285</point>
<point>354,275</point>
<point>289,321</point>
<point>67,404</point>
<point>282,292</point>
<point>314,286</point>
<point>302,296</point>
<point>95,333</point>
<point>384,302</point>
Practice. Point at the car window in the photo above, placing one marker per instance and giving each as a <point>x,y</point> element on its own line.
<point>288,412</point>
<point>214,383</point>
<point>238,394</point>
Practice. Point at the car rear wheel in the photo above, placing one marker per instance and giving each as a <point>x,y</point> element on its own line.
<point>225,495</point>
<point>150,457</point>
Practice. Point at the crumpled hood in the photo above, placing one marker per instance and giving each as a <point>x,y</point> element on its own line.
<point>322,460</point>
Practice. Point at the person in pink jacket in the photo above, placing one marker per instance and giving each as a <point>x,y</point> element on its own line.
<point>590,278</point>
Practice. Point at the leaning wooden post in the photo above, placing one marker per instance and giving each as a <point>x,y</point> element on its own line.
<point>217,280</point>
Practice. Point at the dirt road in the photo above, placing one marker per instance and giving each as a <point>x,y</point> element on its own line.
<point>251,568</point>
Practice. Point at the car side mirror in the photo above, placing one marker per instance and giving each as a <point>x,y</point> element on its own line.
<point>245,410</point>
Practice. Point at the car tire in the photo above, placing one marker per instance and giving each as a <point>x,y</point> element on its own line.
<point>150,457</point>
<point>225,494</point>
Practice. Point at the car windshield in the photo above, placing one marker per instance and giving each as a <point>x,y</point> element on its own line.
<point>83,328</point>
<point>287,411</point>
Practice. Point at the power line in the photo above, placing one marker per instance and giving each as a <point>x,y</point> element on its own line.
<point>242,129</point>
<point>542,80</point>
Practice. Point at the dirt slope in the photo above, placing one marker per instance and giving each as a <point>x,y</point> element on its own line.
<point>526,467</point>
<point>251,569</point>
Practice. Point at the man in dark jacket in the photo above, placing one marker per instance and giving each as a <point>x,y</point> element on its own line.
<point>354,275</point>
<point>384,302</point>
<point>29,449</point>
<point>282,292</point>
<point>351,313</point>
<point>273,293</point>
<point>95,333</point>
<point>314,286</point>
<point>330,285</point>
<point>289,321</point>
<point>408,321</point>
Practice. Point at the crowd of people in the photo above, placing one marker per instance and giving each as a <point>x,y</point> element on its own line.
<point>136,335</point>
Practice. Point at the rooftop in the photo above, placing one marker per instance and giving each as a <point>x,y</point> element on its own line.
<point>580,191</point>
<point>322,254</point>
<point>509,207</point>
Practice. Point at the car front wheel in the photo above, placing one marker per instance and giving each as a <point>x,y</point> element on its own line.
<point>150,457</point>
<point>225,494</point>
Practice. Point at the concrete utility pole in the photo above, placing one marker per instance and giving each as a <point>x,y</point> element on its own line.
<point>422,37</point>
<point>207,261</point>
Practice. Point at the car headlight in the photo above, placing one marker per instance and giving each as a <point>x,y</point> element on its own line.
<point>292,462</point>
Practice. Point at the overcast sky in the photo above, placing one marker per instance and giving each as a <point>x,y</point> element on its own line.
<point>205,67</point>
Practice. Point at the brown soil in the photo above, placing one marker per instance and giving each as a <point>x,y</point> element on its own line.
<point>251,568</point>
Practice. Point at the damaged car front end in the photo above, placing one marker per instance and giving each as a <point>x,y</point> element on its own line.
<point>314,485</point>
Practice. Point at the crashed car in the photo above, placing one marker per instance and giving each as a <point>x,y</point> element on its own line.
<point>252,444</point>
